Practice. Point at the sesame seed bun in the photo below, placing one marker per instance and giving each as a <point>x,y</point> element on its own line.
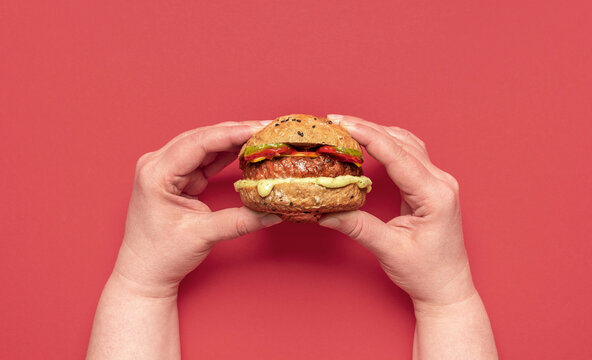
<point>304,130</point>
<point>302,201</point>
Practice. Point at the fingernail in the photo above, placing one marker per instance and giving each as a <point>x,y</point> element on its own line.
<point>335,117</point>
<point>329,222</point>
<point>341,120</point>
<point>270,219</point>
<point>347,124</point>
<point>261,125</point>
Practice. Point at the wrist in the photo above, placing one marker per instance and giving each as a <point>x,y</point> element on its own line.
<point>455,291</point>
<point>125,286</point>
<point>460,307</point>
<point>138,277</point>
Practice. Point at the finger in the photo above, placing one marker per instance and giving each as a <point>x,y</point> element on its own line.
<point>222,160</point>
<point>406,134</point>
<point>208,159</point>
<point>352,119</point>
<point>234,222</point>
<point>417,152</point>
<point>365,228</point>
<point>417,148</point>
<point>188,152</point>
<point>406,171</point>
<point>405,208</point>
<point>195,183</point>
<point>403,138</point>
<point>407,137</point>
<point>402,135</point>
<point>255,124</point>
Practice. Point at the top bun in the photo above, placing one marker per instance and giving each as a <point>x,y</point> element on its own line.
<point>304,130</point>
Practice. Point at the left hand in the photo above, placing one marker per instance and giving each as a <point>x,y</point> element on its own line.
<point>168,230</point>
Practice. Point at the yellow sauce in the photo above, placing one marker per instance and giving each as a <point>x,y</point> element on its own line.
<point>265,186</point>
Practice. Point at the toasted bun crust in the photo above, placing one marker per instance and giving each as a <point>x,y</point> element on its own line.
<point>304,202</point>
<point>298,129</point>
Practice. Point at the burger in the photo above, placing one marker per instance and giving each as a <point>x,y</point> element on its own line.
<point>300,167</point>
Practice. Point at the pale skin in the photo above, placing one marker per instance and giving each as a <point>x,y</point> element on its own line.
<point>169,232</point>
<point>422,250</point>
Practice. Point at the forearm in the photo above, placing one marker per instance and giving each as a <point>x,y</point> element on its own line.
<point>130,324</point>
<point>456,331</point>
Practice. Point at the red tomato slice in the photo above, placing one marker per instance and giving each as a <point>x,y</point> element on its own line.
<point>266,154</point>
<point>290,151</point>
<point>330,150</point>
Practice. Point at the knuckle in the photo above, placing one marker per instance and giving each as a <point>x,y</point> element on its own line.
<point>242,228</point>
<point>142,160</point>
<point>400,149</point>
<point>144,169</point>
<point>400,131</point>
<point>357,229</point>
<point>453,183</point>
<point>396,129</point>
<point>447,196</point>
<point>448,193</point>
<point>405,152</point>
<point>397,132</point>
<point>449,181</point>
<point>199,137</point>
<point>408,136</point>
<point>422,144</point>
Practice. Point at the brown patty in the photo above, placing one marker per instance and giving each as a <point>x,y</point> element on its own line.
<point>299,167</point>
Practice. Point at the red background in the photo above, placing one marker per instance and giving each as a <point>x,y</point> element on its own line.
<point>500,92</point>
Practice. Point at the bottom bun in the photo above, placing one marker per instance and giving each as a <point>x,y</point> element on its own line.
<point>300,217</point>
<point>304,202</point>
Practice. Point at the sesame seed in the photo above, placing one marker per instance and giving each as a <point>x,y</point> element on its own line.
<point>291,203</point>
<point>300,133</point>
<point>277,124</point>
<point>298,120</point>
<point>330,122</point>
<point>314,126</point>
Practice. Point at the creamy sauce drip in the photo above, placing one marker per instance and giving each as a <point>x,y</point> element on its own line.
<point>265,186</point>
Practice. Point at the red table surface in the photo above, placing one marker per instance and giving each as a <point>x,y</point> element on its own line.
<point>499,91</point>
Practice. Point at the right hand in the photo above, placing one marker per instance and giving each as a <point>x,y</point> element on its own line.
<point>422,250</point>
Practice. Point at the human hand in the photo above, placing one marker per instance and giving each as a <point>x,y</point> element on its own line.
<point>422,250</point>
<point>168,230</point>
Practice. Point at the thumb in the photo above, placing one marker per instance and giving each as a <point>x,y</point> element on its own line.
<point>234,222</point>
<point>363,227</point>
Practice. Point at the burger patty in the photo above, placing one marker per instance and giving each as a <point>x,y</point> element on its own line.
<point>299,167</point>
